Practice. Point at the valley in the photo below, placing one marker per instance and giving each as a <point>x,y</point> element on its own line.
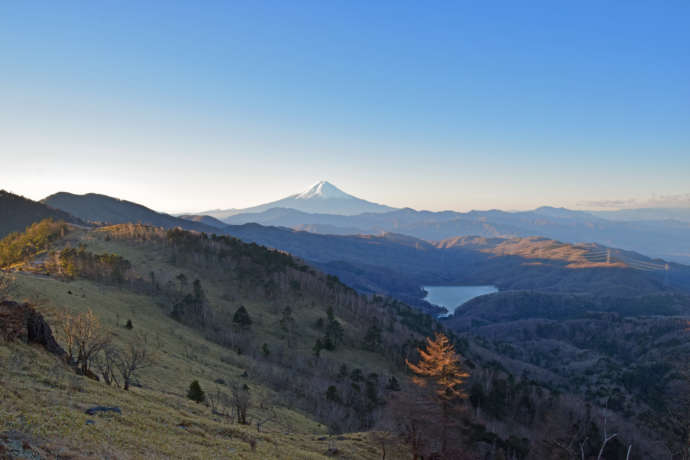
<point>453,297</point>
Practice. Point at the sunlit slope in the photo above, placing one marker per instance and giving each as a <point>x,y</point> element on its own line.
<point>42,397</point>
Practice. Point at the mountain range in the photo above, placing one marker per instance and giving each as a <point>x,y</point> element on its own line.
<point>320,210</point>
<point>399,265</point>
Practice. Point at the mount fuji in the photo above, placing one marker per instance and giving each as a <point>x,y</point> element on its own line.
<point>321,198</point>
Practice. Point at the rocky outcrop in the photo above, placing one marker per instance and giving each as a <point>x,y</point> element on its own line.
<point>22,322</point>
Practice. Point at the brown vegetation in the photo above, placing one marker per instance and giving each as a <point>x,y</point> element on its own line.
<point>439,367</point>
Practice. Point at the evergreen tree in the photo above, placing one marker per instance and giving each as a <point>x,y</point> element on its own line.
<point>195,393</point>
<point>332,394</point>
<point>372,339</point>
<point>287,322</point>
<point>318,346</point>
<point>199,294</point>
<point>328,343</point>
<point>241,318</point>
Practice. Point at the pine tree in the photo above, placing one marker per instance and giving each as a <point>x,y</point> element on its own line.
<point>241,318</point>
<point>195,392</point>
<point>332,394</point>
<point>440,365</point>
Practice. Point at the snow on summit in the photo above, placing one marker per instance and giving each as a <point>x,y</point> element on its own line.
<point>321,198</point>
<point>324,190</point>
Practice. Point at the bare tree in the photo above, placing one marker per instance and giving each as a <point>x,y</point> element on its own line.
<point>272,415</point>
<point>606,437</point>
<point>84,335</point>
<point>384,438</point>
<point>67,332</point>
<point>106,363</point>
<point>134,357</point>
<point>414,413</point>
<point>241,400</point>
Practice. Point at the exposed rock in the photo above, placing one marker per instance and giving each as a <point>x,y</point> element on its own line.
<point>22,322</point>
<point>97,409</point>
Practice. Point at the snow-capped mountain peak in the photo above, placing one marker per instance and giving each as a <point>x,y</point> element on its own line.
<point>321,198</point>
<point>323,190</point>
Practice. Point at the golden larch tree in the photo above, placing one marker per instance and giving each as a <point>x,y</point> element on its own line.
<point>440,366</point>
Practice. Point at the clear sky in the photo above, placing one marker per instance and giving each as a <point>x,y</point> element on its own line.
<point>438,105</point>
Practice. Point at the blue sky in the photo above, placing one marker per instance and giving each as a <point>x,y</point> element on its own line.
<point>436,105</point>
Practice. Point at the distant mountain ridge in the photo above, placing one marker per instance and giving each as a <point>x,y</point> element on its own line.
<point>206,220</point>
<point>646,214</point>
<point>322,197</point>
<point>398,264</point>
<point>17,213</point>
<point>667,239</point>
<point>93,207</point>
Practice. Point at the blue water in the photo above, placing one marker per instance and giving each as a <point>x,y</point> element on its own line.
<point>452,297</point>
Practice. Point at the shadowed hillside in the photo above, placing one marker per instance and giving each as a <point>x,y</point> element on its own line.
<point>107,210</point>
<point>17,213</point>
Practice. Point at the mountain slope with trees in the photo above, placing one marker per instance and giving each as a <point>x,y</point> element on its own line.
<point>274,343</point>
<point>17,213</point>
<point>93,207</point>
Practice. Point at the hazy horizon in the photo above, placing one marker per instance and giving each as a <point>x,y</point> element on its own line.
<point>674,201</point>
<point>185,108</point>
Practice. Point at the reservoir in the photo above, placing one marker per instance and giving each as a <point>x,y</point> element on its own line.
<point>452,297</point>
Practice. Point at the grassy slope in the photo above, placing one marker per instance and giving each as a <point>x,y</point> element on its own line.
<point>38,398</point>
<point>147,258</point>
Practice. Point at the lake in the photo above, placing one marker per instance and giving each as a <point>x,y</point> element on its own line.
<point>452,297</point>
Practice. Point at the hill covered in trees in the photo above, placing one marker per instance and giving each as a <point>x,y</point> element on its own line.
<point>17,213</point>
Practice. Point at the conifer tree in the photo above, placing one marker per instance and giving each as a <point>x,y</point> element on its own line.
<point>195,392</point>
<point>441,367</point>
<point>241,318</point>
